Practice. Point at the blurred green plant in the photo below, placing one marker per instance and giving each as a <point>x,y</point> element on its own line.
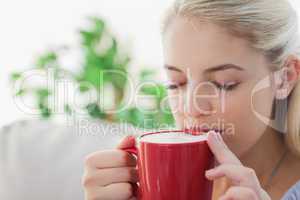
<point>102,57</point>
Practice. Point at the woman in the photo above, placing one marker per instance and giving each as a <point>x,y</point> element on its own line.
<point>236,62</point>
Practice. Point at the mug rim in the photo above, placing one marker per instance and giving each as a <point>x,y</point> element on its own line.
<point>170,131</point>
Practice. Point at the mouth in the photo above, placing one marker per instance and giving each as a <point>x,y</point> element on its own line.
<point>201,130</point>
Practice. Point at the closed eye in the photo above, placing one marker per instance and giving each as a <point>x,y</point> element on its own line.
<point>226,86</point>
<point>174,86</point>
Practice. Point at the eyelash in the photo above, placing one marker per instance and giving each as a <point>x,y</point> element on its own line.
<point>174,86</point>
<point>227,87</point>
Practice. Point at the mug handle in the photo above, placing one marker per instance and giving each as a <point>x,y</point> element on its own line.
<point>134,151</point>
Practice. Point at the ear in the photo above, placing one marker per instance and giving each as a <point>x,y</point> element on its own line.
<point>287,77</point>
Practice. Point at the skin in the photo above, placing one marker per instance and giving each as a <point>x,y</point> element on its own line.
<point>187,61</point>
<point>244,146</point>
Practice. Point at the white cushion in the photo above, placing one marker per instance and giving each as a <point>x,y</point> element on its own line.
<point>41,160</point>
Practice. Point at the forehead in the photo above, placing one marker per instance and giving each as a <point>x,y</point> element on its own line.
<point>188,43</point>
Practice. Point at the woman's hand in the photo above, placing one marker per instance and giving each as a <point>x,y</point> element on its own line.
<point>245,184</point>
<point>111,175</point>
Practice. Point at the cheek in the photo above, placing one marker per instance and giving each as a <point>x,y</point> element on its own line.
<point>174,102</point>
<point>248,127</point>
<point>262,103</point>
<point>176,105</point>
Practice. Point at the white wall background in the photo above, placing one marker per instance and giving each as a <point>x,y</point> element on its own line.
<point>31,26</point>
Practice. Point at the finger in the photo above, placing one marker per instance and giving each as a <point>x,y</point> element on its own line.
<point>239,193</point>
<point>127,142</point>
<point>220,149</point>
<point>110,159</point>
<point>109,176</point>
<point>239,175</point>
<point>116,191</point>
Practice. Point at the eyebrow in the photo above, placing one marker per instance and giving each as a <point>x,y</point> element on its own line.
<point>172,68</point>
<point>221,67</point>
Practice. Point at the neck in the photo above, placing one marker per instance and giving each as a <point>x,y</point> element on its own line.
<point>270,145</point>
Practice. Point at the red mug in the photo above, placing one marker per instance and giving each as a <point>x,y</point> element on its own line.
<point>171,166</point>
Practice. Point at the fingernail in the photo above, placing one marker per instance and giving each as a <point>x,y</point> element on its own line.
<point>209,172</point>
<point>215,136</point>
<point>127,137</point>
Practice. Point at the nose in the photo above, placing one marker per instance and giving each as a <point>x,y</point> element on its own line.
<point>199,102</point>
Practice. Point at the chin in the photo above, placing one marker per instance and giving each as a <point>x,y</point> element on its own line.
<point>235,146</point>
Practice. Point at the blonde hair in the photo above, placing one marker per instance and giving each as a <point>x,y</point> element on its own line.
<point>271,26</point>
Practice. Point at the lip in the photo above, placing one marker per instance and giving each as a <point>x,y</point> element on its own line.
<point>200,130</point>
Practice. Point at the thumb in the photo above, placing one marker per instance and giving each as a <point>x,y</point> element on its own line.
<point>127,142</point>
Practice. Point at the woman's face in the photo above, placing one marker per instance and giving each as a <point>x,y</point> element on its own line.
<point>212,75</point>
